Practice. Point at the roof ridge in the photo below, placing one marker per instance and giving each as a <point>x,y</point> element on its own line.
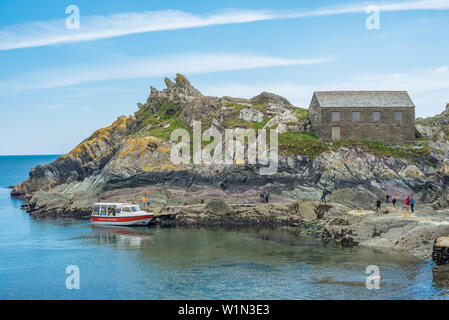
<point>363,91</point>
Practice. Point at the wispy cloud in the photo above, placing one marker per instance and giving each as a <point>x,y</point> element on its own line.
<point>44,33</point>
<point>144,68</point>
<point>441,69</point>
<point>428,89</point>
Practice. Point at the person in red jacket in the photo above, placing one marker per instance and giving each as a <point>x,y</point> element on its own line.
<point>407,203</point>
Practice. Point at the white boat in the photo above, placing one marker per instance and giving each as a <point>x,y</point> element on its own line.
<point>120,214</point>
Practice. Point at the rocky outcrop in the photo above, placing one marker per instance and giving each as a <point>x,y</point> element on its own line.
<point>299,215</point>
<point>88,159</point>
<point>134,152</point>
<point>248,114</point>
<point>390,229</point>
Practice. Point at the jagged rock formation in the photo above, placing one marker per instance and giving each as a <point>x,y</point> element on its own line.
<point>131,158</point>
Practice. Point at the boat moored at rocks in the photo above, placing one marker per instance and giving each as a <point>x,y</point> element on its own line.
<point>120,214</point>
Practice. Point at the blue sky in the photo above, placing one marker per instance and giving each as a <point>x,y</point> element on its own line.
<point>57,85</point>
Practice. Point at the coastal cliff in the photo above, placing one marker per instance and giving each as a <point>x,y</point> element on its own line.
<point>131,158</point>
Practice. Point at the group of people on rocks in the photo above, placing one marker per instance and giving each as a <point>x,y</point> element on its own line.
<point>264,196</point>
<point>146,201</point>
<point>409,202</point>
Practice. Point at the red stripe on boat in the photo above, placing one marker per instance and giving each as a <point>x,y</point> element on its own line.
<point>121,219</point>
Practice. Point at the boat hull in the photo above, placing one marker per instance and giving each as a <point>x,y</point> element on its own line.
<point>142,220</point>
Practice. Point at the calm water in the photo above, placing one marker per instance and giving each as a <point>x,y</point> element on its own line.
<point>169,263</point>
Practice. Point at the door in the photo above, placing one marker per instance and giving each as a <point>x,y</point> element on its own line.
<point>335,132</point>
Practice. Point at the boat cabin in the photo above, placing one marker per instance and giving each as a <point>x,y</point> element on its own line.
<point>114,209</point>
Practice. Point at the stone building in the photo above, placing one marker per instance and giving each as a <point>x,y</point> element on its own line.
<point>382,116</point>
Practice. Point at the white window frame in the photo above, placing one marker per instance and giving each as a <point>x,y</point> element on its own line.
<point>95,211</point>
<point>337,115</point>
<point>357,118</point>
<point>126,209</point>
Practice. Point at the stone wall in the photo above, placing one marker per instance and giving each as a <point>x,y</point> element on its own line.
<point>440,251</point>
<point>387,130</point>
<point>315,116</point>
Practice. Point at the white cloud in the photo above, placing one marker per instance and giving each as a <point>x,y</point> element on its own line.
<point>144,68</point>
<point>429,91</point>
<point>441,69</point>
<point>44,33</point>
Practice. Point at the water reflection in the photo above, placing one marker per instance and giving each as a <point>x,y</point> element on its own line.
<point>127,237</point>
<point>440,278</point>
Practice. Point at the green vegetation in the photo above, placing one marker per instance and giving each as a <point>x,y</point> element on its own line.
<point>166,129</point>
<point>301,144</point>
<point>259,107</point>
<point>160,124</point>
<point>237,106</point>
<point>301,113</point>
<point>235,122</point>
<point>440,122</point>
<point>379,149</point>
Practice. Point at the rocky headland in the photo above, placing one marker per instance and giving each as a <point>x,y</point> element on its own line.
<point>131,158</point>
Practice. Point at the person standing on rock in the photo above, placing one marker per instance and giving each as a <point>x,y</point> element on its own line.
<point>412,205</point>
<point>144,201</point>
<point>148,201</point>
<point>262,196</point>
<point>387,198</point>
<point>323,196</point>
<point>267,197</point>
<point>394,200</point>
<point>378,204</point>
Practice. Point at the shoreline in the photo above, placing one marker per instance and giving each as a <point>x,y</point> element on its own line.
<point>388,230</point>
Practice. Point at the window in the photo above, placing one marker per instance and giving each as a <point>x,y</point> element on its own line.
<point>376,116</point>
<point>355,116</point>
<point>96,210</point>
<point>111,210</point>
<point>398,116</point>
<point>335,116</point>
<point>133,209</point>
<point>126,209</point>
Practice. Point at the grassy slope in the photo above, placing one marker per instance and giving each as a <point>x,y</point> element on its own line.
<point>435,120</point>
<point>301,144</point>
<point>440,121</point>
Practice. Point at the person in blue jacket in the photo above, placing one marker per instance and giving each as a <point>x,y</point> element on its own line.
<point>412,205</point>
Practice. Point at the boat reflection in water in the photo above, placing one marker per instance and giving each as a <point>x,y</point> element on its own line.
<point>127,237</point>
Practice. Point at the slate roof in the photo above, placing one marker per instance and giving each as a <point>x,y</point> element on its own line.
<point>369,99</point>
